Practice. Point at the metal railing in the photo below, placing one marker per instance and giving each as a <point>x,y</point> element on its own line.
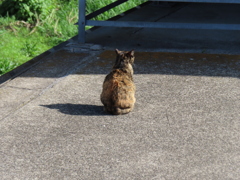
<point>85,20</point>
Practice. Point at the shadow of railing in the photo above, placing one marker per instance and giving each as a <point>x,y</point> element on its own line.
<point>61,63</point>
<point>190,64</point>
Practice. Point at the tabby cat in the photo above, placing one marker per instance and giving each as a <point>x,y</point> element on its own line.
<point>118,94</point>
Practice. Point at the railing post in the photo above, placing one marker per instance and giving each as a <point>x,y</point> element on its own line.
<point>81,21</point>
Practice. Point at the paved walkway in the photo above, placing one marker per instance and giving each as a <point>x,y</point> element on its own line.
<point>185,124</point>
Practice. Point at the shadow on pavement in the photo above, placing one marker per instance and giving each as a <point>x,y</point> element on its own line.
<point>78,109</point>
<point>62,63</point>
<point>189,64</point>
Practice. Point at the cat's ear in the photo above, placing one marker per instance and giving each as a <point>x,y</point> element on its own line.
<point>131,53</point>
<point>117,51</point>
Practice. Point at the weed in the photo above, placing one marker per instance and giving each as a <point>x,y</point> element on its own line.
<point>30,49</point>
<point>7,65</point>
<point>26,9</point>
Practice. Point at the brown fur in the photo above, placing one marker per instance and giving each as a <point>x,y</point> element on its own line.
<point>118,94</point>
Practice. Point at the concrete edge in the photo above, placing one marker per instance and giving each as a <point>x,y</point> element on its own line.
<point>31,63</point>
<point>36,60</point>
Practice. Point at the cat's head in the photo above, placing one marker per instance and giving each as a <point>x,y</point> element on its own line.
<point>124,58</point>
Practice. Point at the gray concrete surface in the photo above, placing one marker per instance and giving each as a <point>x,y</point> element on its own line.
<point>185,124</point>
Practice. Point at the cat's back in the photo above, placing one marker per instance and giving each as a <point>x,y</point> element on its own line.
<point>117,80</point>
<point>118,94</point>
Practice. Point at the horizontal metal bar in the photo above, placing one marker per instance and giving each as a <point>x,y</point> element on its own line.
<point>204,1</point>
<point>105,8</point>
<point>169,25</point>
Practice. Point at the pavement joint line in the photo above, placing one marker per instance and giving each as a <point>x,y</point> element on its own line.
<point>14,87</point>
<point>31,63</point>
<point>74,69</point>
<point>82,63</point>
<point>36,60</point>
<point>17,108</point>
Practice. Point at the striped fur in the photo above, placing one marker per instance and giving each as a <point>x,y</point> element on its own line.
<point>118,94</point>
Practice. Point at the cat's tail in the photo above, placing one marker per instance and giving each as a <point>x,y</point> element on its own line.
<point>120,111</point>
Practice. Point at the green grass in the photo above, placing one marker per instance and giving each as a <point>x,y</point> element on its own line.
<point>17,46</point>
<point>21,41</point>
<point>93,5</point>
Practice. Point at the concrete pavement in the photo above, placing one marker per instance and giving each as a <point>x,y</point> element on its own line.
<point>185,124</point>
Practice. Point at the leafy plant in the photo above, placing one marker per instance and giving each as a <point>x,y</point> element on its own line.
<point>30,49</point>
<point>25,9</point>
<point>7,65</point>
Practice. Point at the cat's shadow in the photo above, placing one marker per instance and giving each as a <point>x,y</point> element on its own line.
<point>78,109</point>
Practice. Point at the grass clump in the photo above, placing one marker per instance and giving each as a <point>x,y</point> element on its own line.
<point>30,27</point>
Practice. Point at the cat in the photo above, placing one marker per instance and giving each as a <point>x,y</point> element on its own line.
<point>118,94</point>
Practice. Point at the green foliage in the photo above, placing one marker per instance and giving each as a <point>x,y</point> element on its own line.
<point>93,5</point>
<point>29,49</point>
<point>7,65</point>
<point>26,9</point>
